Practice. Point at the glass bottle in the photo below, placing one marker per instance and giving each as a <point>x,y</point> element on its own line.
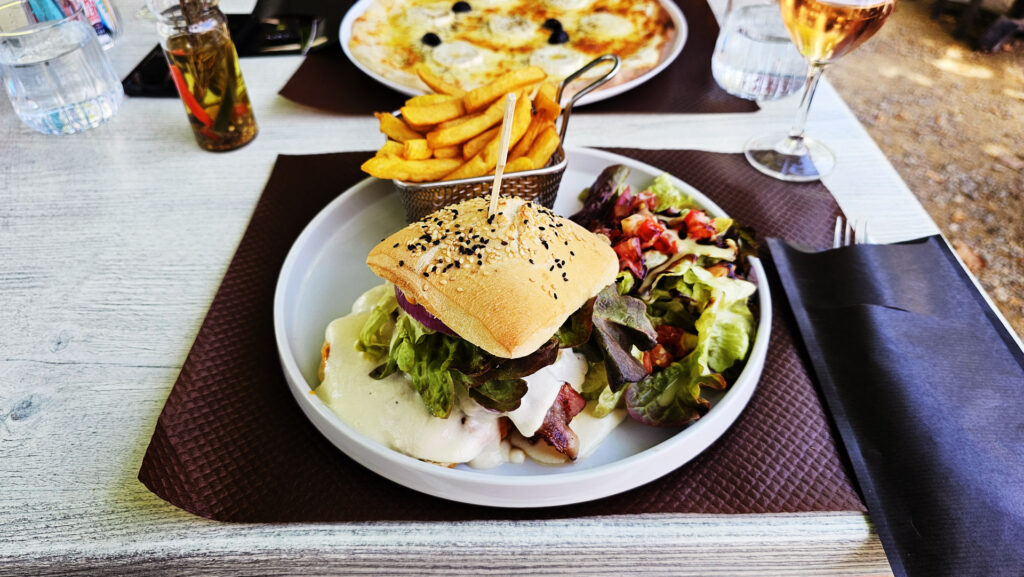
<point>204,66</point>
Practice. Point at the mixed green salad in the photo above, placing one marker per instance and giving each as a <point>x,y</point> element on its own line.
<point>688,270</point>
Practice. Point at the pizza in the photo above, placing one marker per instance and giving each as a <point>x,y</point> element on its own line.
<point>469,43</point>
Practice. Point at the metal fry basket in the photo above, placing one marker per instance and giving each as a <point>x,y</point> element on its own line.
<point>539,185</point>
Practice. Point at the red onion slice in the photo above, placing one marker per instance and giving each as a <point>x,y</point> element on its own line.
<point>420,314</point>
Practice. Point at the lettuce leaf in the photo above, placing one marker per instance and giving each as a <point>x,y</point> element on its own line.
<point>620,323</point>
<point>667,194</point>
<point>426,356</point>
<point>375,337</point>
<point>724,329</point>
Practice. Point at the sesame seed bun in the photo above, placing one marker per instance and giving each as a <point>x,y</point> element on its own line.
<point>505,284</point>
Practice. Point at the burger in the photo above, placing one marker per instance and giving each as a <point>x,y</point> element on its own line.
<point>483,343</point>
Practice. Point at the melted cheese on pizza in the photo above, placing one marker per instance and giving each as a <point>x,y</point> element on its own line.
<point>471,48</point>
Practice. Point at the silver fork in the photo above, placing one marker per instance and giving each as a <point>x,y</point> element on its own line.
<point>850,232</point>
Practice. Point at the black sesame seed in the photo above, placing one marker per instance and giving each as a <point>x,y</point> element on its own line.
<point>457,265</point>
<point>431,39</point>
<point>556,296</point>
<point>461,7</point>
<point>531,261</point>
<point>396,245</point>
<point>571,253</point>
<point>552,268</point>
<point>504,243</point>
<point>557,37</point>
<point>552,24</point>
<point>479,263</point>
<point>540,228</point>
<point>401,263</point>
<point>426,274</point>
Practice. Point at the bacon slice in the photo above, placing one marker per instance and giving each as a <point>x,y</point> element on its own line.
<point>555,428</point>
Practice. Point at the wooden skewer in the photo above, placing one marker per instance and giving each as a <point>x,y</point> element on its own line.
<point>506,135</point>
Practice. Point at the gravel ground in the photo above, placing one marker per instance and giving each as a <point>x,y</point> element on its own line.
<point>951,121</point>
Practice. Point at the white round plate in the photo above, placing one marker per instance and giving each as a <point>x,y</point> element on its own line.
<point>325,272</point>
<point>345,35</point>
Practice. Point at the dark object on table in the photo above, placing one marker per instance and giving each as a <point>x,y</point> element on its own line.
<point>998,30</point>
<point>926,387</point>
<point>253,36</point>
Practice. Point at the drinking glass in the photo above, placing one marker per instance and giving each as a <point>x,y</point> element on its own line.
<point>822,31</point>
<point>754,57</point>
<point>58,78</point>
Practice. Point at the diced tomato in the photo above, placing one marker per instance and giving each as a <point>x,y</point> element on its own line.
<point>648,362</point>
<point>698,225</point>
<point>667,242</point>
<point>660,357</point>
<point>670,337</point>
<point>631,257</point>
<point>649,229</point>
<point>623,205</point>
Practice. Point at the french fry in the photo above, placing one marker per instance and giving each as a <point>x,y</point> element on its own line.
<point>471,169</point>
<point>388,167</point>
<point>448,152</point>
<point>391,148</point>
<point>522,148</point>
<point>549,90</point>
<point>510,81</point>
<point>433,113</point>
<point>474,145</point>
<point>547,108</point>
<point>462,132</point>
<point>394,128</point>
<point>519,164</point>
<point>545,145</point>
<point>456,121</point>
<point>436,83</point>
<point>416,149</point>
<point>424,99</point>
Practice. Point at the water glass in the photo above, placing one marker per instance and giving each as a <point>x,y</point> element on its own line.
<point>754,56</point>
<point>58,78</point>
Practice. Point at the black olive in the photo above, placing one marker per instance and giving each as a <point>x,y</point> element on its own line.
<point>552,24</point>
<point>431,39</point>
<point>461,7</point>
<point>558,37</point>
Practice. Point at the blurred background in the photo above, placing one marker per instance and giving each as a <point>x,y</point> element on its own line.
<point>951,120</point>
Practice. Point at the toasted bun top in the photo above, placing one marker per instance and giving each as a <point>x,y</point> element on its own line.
<point>506,283</point>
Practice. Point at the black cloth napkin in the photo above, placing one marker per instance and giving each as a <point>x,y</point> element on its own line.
<point>926,387</point>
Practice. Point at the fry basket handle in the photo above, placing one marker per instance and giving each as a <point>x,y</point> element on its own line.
<point>587,89</point>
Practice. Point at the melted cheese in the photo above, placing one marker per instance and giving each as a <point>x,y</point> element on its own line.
<point>605,26</point>
<point>391,412</point>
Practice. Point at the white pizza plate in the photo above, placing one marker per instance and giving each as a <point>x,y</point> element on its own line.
<point>325,272</point>
<point>345,35</point>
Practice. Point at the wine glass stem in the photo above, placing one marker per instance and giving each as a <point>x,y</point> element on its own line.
<point>813,76</point>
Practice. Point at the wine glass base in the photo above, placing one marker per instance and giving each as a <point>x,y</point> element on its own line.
<point>792,159</point>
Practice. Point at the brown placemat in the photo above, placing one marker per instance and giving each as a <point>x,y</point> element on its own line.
<point>232,444</point>
<point>330,82</point>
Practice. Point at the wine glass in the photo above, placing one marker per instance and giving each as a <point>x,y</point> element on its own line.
<point>822,31</point>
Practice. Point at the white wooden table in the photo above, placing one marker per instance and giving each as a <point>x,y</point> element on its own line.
<point>112,245</point>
